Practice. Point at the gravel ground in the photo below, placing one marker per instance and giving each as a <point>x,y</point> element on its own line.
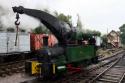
<point>16,78</point>
<point>122,62</point>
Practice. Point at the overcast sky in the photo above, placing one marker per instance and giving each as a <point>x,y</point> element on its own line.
<point>95,14</point>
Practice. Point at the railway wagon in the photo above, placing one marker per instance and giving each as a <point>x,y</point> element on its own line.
<point>74,50</point>
<point>7,42</point>
<point>9,52</point>
<point>37,41</point>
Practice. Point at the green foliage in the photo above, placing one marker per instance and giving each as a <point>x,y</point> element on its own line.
<point>97,33</point>
<point>122,28</point>
<point>122,35</point>
<point>68,20</point>
<point>40,29</point>
<point>10,29</point>
<point>22,30</point>
<point>104,40</point>
<point>62,17</point>
<point>1,26</point>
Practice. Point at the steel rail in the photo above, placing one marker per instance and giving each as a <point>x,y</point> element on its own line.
<point>120,81</point>
<point>94,79</point>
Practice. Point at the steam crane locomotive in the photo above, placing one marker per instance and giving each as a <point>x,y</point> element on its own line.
<point>74,48</point>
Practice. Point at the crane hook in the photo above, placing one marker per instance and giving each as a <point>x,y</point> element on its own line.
<point>17,21</point>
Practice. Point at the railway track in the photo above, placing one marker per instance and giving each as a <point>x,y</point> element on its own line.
<point>82,77</point>
<point>89,73</point>
<point>11,68</point>
<point>14,56</point>
<point>113,74</point>
<point>85,75</point>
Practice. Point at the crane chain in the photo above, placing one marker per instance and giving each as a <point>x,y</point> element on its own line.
<point>17,23</point>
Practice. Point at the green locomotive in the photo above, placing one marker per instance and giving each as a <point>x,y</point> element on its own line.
<point>75,49</point>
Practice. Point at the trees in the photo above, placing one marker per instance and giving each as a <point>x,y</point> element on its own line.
<point>22,30</point>
<point>10,29</point>
<point>65,18</point>
<point>104,40</point>
<point>1,27</point>
<point>40,29</point>
<point>122,33</point>
<point>97,33</point>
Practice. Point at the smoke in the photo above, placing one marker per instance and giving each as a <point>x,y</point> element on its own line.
<point>7,16</point>
<point>2,14</point>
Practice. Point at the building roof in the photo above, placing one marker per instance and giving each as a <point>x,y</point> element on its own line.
<point>118,33</point>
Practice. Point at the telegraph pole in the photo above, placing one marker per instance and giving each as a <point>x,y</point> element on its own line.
<point>107,39</point>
